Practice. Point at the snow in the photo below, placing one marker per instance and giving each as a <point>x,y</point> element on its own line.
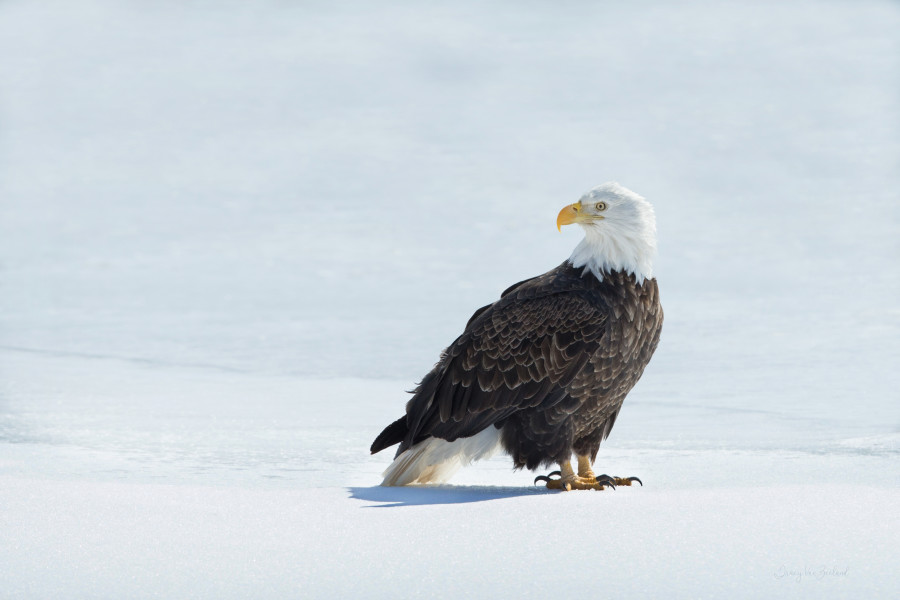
<point>232,236</point>
<point>232,542</point>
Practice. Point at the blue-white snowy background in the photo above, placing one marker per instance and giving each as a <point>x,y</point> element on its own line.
<point>231,236</point>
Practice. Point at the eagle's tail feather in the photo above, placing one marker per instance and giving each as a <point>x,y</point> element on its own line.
<point>435,460</point>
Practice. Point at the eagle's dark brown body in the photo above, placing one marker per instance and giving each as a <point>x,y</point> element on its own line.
<point>548,364</point>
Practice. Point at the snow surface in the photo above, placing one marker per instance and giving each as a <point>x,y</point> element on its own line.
<point>232,236</point>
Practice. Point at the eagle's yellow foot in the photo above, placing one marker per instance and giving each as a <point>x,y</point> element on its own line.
<point>574,482</point>
<point>585,472</point>
<point>625,480</point>
<point>568,480</point>
<point>585,480</point>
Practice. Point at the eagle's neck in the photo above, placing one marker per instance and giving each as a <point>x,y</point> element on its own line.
<point>608,249</point>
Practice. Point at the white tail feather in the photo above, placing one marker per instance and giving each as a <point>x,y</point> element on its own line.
<point>435,460</point>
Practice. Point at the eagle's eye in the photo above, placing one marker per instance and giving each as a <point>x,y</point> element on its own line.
<point>600,206</point>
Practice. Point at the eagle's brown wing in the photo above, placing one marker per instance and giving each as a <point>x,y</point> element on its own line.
<point>524,351</point>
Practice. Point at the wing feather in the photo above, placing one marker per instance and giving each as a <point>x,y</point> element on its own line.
<point>524,351</point>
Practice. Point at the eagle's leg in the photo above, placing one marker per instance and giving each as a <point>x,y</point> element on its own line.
<point>568,480</point>
<point>584,467</point>
<point>585,472</point>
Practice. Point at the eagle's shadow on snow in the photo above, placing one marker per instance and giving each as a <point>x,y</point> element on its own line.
<point>390,497</point>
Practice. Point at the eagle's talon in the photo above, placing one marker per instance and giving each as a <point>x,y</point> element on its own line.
<point>544,478</point>
<point>627,481</point>
<point>548,478</point>
<point>606,480</point>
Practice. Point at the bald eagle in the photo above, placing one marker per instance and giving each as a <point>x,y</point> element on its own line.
<point>543,371</point>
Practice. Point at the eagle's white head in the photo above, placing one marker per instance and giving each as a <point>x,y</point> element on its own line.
<point>619,232</point>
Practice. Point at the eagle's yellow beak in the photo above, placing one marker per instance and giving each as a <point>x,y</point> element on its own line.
<point>568,215</point>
